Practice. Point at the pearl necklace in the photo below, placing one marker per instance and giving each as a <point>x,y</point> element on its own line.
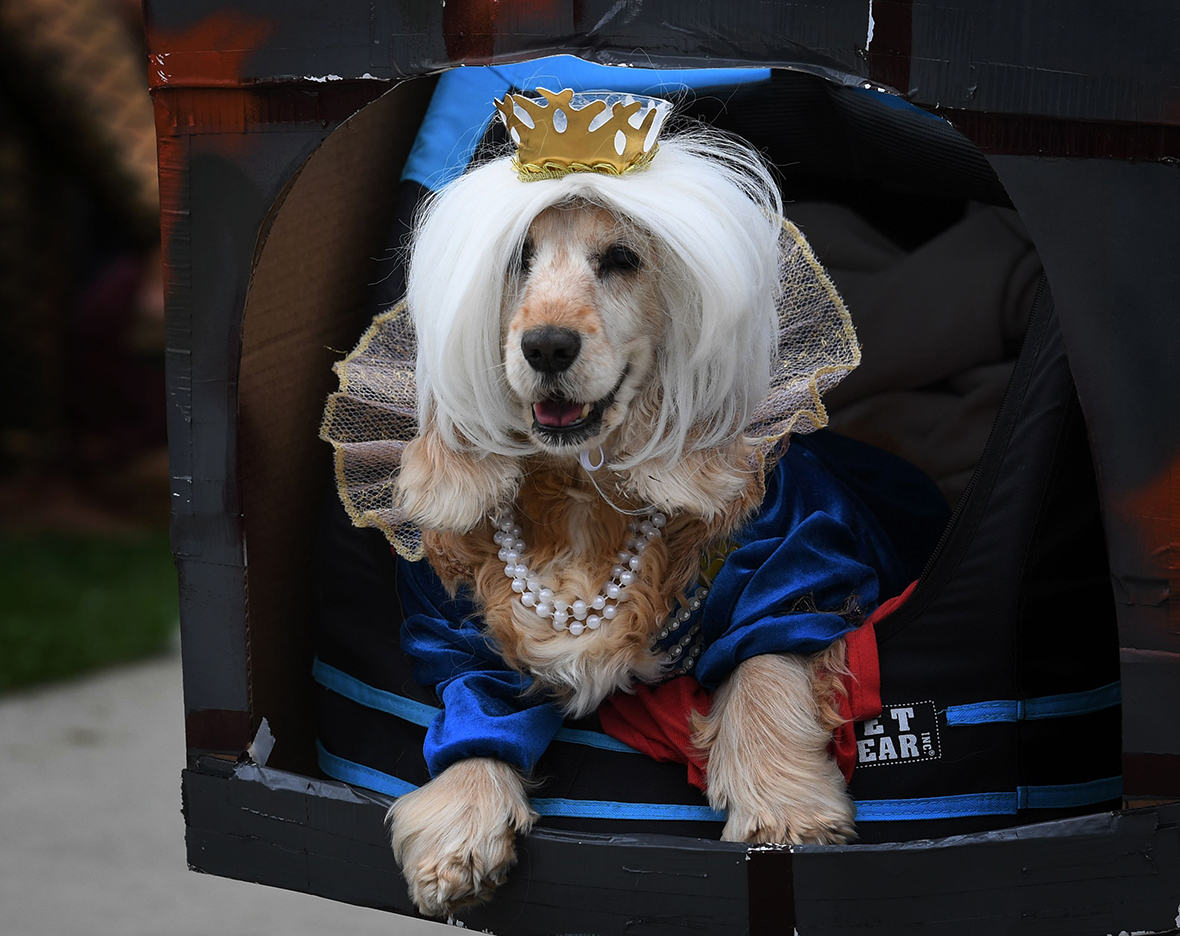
<point>586,615</point>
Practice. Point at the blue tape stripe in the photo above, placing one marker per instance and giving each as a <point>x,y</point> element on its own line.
<point>359,775</point>
<point>1065,795</point>
<point>608,809</point>
<point>419,713</point>
<point>595,739</point>
<point>1056,796</point>
<point>1054,706</point>
<point>937,807</point>
<point>1074,703</point>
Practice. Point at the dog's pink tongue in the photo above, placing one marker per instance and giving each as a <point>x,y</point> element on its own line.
<point>557,413</point>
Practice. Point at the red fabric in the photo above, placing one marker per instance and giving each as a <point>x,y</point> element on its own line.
<point>864,686</point>
<point>655,720</point>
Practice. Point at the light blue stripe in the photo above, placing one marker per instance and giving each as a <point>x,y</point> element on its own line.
<point>461,107</point>
<point>1059,796</point>
<point>1066,795</point>
<point>1074,703</point>
<point>978,713</point>
<point>594,739</point>
<point>359,775</point>
<point>1056,796</point>
<point>419,713</point>
<point>609,809</point>
<point>1054,706</point>
<point>937,807</point>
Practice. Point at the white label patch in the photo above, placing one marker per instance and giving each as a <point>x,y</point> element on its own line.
<point>902,734</point>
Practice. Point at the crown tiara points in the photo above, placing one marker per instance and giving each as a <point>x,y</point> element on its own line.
<point>604,131</point>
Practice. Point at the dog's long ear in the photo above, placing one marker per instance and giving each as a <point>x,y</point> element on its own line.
<point>446,489</point>
<point>721,486</point>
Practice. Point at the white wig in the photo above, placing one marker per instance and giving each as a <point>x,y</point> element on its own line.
<point>711,204</point>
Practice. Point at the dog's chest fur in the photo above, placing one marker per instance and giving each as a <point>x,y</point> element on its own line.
<point>573,536</point>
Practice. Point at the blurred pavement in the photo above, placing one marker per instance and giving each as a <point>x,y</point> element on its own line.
<point>91,835</point>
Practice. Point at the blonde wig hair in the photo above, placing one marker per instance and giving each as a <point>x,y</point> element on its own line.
<point>714,210</point>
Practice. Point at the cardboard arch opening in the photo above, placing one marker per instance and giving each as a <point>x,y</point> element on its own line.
<point>311,294</point>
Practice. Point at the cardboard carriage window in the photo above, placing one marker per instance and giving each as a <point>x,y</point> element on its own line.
<point>985,689</point>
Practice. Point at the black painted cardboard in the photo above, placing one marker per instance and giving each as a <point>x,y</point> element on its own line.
<point>1076,106</point>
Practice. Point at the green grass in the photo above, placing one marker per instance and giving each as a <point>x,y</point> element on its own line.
<point>71,603</point>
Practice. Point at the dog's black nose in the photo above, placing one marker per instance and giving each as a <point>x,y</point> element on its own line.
<point>550,349</point>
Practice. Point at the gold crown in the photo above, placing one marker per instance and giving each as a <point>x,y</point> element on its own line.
<point>575,133</point>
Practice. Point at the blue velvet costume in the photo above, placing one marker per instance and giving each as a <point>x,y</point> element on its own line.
<point>808,566</point>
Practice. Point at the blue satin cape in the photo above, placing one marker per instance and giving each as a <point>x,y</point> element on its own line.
<point>807,568</point>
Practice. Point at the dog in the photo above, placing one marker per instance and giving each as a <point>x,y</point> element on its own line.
<point>591,350</point>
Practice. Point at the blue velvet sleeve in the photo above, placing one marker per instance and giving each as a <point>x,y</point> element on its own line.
<point>486,709</point>
<point>804,572</point>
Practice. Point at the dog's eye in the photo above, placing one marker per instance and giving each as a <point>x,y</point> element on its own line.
<point>525,260</point>
<point>619,259</point>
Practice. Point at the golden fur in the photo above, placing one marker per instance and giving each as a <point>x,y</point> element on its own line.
<point>768,732</point>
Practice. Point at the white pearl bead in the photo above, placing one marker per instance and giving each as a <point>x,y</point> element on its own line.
<point>515,531</point>
<point>560,604</point>
<point>510,570</point>
<point>612,590</point>
<point>576,629</point>
<point>641,546</point>
<point>609,612</point>
<point>504,524</point>
<point>518,545</point>
<point>522,571</point>
<point>622,555</point>
<point>598,602</point>
<point>658,519</point>
<point>498,539</point>
<point>511,555</point>
<point>544,610</point>
<point>626,578</point>
<point>534,585</point>
<point>647,528</point>
<point>560,617</point>
<point>528,599</point>
<point>635,563</point>
<point>593,621</point>
<point>617,571</point>
<point>518,586</point>
<point>558,627</point>
<point>579,609</point>
<point>503,554</point>
<point>545,594</point>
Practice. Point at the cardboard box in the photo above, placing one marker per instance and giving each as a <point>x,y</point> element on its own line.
<point>281,131</point>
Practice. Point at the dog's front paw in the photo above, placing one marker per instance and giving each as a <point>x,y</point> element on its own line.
<point>817,812</point>
<point>455,838</point>
<point>769,766</point>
